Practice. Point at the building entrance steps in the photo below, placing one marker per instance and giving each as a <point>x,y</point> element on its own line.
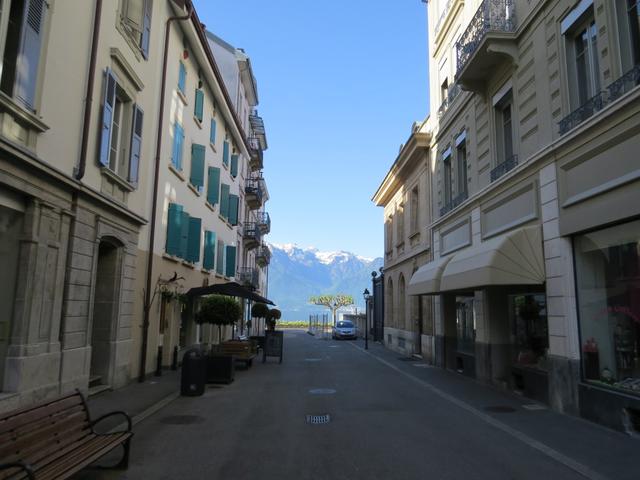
<point>590,449</point>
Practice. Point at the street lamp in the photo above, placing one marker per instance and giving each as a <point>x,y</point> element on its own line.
<point>366,296</point>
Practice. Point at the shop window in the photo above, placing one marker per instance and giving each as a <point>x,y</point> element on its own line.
<point>608,287</point>
<point>465,325</point>
<point>529,332</point>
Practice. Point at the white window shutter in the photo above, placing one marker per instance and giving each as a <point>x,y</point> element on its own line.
<point>136,144</point>
<point>108,105</point>
<point>29,53</point>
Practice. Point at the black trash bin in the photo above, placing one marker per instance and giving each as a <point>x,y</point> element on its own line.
<point>194,373</point>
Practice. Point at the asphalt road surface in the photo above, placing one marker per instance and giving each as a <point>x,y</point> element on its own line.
<point>382,424</point>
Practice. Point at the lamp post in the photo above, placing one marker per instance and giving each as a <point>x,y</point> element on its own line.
<point>366,296</point>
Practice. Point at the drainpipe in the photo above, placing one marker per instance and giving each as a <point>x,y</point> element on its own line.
<point>82,163</point>
<point>156,178</point>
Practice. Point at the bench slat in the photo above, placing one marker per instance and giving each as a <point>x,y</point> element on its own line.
<point>12,420</point>
<point>22,430</point>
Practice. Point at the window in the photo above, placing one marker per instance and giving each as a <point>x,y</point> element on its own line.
<point>446,177</point>
<point>400,225</point>
<point>209,253</point>
<point>178,142</point>
<point>220,258</point>
<point>21,30</point>
<point>230,261</point>
<point>135,19</point>
<point>183,234</point>
<point>402,320</point>
<point>121,133</point>
<point>213,186</point>
<point>629,28</point>
<point>212,133</point>
<point>608,288</point>
<point>234,203</point>
<point>182,78</point>
<point>504,128</point>
<point>234,166</point>
<point>461,160</point>
<point>389,303</point>
<point>225,153</point>
<point>444,90</point>
<point>198,109</point>
<point>581,36</point>
<point>414,210</point>
<point>529,331</point>
<point>388,234</point>
<point>197,166</point>
<point>224,201</point>
<point>465,324</point>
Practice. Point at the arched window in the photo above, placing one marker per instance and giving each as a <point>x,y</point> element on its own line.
<point>389,294</point>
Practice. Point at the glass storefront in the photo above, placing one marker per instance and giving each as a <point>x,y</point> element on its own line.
<point>529,336</point>
<point>608,287</point>
<point>465,325</point>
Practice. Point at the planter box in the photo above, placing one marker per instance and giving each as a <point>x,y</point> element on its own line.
<point>220,368</point>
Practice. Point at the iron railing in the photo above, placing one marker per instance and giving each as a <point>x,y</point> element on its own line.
<point>624,84</point>
<point>452,92</point>
<point>457,200</point>
<point>263,255</point>
<point>253,187</point>
<point>249,277</point>
<point>492,16</point>
<point>504,167</point>
<point>264,222</point>
<point>251,231</point>
<point>257,124</point>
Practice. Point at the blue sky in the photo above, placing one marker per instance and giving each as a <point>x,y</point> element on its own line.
<point>340,83</point>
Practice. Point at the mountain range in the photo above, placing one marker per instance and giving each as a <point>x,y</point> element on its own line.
<point>297,273</point>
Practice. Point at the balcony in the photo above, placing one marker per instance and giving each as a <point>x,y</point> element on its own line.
<point>264,222</point>
<point>251,235</point>
<point>488,43</point>
<point>457,200</point>
<point>504,167</point>
<point>254,192</point>
<point>263,256</point>
<point>452,93</point>
<point>256,160</point>
<point>257,129</point>
<point>613,92</point>
<point>249,277</point>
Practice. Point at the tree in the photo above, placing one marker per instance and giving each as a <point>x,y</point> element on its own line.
<point>219,310</point>
<point>273,316</point>
<point>332,302</point>
<point>259,310</point>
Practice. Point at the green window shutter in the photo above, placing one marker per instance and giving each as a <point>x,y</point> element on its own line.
<point>193,244</point>
<point>220,258</point>
<point>178,140</point>
<point>212,132</point>
<point>197,166</point>
<point>231,261</point>
<point>233,209</point>
<point>213,189</point>
<point>209,254</point>
<point>174,229</point>
<point>184,235</point>
<point>182,78</point>
<point>234,166</point>
<point>199,104</point>
<point>224,200</point>
<point>225,153</point>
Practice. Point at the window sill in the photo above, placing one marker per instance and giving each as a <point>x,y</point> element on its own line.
<point>206,271</point>
<point>198,122</point>
<point>23,116</point>
<point>219,275</point>
<point>171,258</point>
<point>182,96</point>
<point>210,206</point>
<point>176,172</point>
<point>189,264</point>
<point>225,166</point>
<point>194,189</point>
<point>114,177</point>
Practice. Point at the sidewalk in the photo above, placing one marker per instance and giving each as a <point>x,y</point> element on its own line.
<point>592,450</point>
<point>139,400</point>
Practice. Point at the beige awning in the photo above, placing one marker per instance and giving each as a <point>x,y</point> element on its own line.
<point>426,280</point>
<point>514,258</point>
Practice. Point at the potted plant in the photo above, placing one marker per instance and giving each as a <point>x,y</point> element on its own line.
<point>273,316</point>
<point>219,310</point>
<point>259,310</point>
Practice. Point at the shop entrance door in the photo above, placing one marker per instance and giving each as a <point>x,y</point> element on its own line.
<point>465,334</point>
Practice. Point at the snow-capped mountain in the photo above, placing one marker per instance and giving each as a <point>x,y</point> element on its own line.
<point>297,273</point>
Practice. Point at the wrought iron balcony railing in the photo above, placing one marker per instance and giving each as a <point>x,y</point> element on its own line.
<point>264,222</point>
<point>263,255</point>
<point>613,92</point>
<point>457,200</point>
<point>254,188</point>
<point>249,277</point>
<point>492,16</point>
<point>257,124</point>
<point>251,232</point>
<point>452,92</point>
<point>504,167</point>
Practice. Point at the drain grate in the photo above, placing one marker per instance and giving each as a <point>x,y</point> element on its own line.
<point>312,359</point>
<point>534,407</point>
<point>182,420</point>
<point>318,419</point>
<point>322,391</point>
<point>500,409</point>
<point>420,365</point>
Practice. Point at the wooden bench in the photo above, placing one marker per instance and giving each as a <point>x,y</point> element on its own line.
<point>55,439</point>
<point>242,351</point>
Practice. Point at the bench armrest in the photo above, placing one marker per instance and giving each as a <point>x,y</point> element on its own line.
<point>21,465</point>
<point>119,412</point>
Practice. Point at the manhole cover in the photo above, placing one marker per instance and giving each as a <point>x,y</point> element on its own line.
<point>182,420</point>
<point>420,365</point>
<point>318,419</point>
<point>322,391</point>
<point>534,406</point>
<point>500,409</point>
<point>312,359</point>
<point>334,346</point>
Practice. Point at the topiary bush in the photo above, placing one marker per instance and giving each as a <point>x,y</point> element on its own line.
<point>219,310</point>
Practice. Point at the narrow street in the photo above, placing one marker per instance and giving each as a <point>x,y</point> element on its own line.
<point>389,419</point>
